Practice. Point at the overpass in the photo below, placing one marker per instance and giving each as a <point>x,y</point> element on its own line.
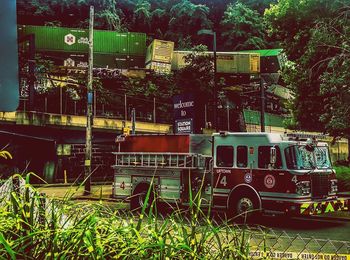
<point>75,122</point>
<point>53,145</point>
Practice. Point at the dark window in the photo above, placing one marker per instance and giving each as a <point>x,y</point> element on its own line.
<point>224,156</point>
<point>242,156</point>
<point>264,157</point>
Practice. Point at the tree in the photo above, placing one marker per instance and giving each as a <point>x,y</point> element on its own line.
<point>143,91</point>
<point>197,76</point>
<point>259,6</point>
<point>315,37</point>
<point>186,20</point>
<point>333,35</point>
<point>70,13</point>
<point>242,28</point>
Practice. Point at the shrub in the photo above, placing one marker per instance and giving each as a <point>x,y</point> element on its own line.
<point>343,176</point>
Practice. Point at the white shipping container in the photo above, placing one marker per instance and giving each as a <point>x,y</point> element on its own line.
<point>160,51</point>
<point>227,62</point>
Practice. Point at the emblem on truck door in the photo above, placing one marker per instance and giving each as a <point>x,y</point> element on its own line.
<point>248,177</point>
<point>269,181</point>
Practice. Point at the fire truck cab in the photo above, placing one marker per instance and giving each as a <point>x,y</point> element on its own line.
<point>233,172</point>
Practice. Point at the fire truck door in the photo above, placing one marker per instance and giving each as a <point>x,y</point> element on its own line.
<point>198,183</point>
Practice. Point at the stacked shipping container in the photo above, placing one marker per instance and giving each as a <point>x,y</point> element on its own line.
<point>227,62</point>
<point>69,47</point>
<point>159,56</point>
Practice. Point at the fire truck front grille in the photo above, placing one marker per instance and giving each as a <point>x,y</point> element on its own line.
<point>319,185</point>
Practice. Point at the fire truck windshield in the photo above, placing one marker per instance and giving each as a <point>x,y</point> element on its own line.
<point>299,157</point>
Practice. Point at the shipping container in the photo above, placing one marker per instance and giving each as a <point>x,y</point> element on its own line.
<point>76,40</point>
<point>160,51</point>
<point>159,67</point>
<point>272,60</point>
<point>137,44</point>
<point>110,42</point>
<point>136,62</point>
<point>77,59</point>
<point>227,62</point>
<point>118,61</point>
<point>57,38</point>
<point>66,59</point>
<point>106,61</point>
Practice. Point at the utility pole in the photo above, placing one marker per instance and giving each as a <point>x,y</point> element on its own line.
<point>262,113</point>
<point>89,118</point>
<point>216,127</point>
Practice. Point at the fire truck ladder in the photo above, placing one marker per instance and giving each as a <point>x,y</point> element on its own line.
<point>166,160</point>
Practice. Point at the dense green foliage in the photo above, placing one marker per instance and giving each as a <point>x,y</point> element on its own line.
<point>343,176</point>
<point>315,37</point>
<point>243,28</point>
<point>176,20</point>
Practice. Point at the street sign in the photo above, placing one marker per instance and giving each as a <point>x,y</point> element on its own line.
<point>184,126</point>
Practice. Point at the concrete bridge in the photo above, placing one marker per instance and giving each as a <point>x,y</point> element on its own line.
<point>75,122</point>
<point>53,145</point>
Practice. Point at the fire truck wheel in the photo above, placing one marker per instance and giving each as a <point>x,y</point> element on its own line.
<point>243,205</point>
<point>139,196</point>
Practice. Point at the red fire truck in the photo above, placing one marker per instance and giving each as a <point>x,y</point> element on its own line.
<point>234,172</point>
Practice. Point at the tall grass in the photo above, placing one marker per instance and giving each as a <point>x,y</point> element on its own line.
<point>66,230</point>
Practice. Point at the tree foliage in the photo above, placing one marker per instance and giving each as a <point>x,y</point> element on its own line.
<point>242,28</point>
<point>315,37</point>
<point>176,20</point>
<point>197,76</point>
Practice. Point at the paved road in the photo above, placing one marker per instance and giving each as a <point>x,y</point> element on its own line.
<point>326,227</point>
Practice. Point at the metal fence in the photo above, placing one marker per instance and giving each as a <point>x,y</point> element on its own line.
<point>266,243</point>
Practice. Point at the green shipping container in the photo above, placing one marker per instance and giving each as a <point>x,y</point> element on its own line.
<point>253,117</point>
<point>105,61</point>
<point>78,59</point>
<point>76,40</point>
<point>137,44</point>
<point>110,42</point>
<point>57,38</point>
<point>118,61</point>
<point>66,59</point>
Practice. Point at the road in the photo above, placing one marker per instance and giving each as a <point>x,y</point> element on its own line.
<point>325,227</point>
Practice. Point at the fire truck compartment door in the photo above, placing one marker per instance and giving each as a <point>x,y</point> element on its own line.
<point>170,189</point>
<point>122,185</point>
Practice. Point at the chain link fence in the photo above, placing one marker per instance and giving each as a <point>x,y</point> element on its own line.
<point>267,243</point>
